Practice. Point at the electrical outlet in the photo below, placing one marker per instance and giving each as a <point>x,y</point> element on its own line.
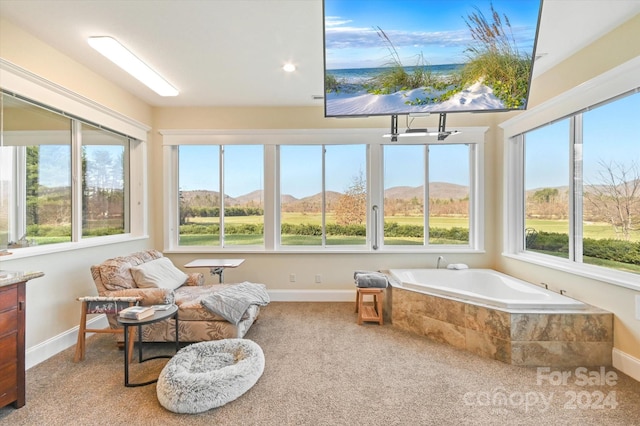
<point>638,306</point>
<point>292,278</point>
<point>318,278</point>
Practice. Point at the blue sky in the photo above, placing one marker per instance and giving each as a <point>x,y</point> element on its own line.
<point>610,135</point>
<point>434,28</point>
<point>55,162</point>
<point>302,167</point>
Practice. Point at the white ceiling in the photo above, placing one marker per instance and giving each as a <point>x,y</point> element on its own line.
<point>231,52</point>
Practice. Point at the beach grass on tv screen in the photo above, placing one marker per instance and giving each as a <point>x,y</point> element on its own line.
<point>490,72</point>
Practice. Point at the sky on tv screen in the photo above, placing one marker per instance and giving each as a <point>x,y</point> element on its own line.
<point>385,57</point>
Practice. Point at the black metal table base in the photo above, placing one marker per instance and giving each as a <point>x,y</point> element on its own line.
<point>140,359</point>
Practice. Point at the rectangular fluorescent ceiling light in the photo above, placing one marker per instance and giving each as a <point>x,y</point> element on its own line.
<point>126,60</point>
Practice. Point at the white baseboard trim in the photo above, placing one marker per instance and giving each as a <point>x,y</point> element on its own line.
<point>626,363</point>
<point>312,295</point>
<point>45,350</point>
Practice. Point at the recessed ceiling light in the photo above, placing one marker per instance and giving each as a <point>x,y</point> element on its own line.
<point>126,60</point>
<point>289,67</point>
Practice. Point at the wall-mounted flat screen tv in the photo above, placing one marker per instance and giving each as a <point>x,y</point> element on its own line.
<point>391,57</point>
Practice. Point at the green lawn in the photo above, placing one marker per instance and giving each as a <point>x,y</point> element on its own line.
<point>298,240</point>
<point>597,262</point>
<point>315,219</point>
<point>597,231</point>
<point>591,230</point>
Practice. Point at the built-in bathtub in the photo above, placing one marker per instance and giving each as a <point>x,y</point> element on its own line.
<point>500,317</point>
<point>484,286</point>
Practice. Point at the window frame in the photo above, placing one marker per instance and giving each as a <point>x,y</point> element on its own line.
<point>323,246</point>
<point>607,86</point>
<point>220,160</point>
<point>476,203</point>
<point>46,94</point>
<point>271,139</point>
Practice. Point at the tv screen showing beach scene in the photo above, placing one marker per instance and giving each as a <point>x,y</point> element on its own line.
<point>392,57</point>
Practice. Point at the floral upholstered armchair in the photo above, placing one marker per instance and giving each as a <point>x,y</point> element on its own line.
<point>153,277</point>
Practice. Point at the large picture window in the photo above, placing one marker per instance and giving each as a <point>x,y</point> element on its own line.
<point>321,191</point>
<point>581,187</point>
<point>63,180</point>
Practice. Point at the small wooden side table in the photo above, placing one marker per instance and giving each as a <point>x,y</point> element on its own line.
<point>369,311</point>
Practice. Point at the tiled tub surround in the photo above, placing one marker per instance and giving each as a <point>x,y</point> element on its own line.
<point>521,337</point>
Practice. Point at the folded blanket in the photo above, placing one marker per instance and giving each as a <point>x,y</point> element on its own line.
<point>232,302</point>
<point>366,279</point>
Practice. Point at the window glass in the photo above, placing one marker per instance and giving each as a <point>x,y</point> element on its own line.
<point>206,218</point>
<point>449,194</point>
<point>404,177</point>
<point>104,195</point>
<point>301,212</point>
<point>582,188</point>
<point>611,185</point>
<point>36,152</point>
<point>323,195</point>
<point>244,195</point>
<point>346,194</point>
<point>199,195</point>
<point>546,185</point>
<point>406,214</point>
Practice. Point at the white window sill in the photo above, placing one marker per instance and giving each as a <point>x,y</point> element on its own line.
<point>609,276</point>
<point>32,251</point>
<point>316,250</point>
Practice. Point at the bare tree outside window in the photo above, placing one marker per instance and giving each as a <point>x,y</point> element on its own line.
<point>351,208</point>
<point>616,198</point>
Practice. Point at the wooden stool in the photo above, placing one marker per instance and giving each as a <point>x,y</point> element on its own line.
<point>370,312</point>
<point>102,305</point>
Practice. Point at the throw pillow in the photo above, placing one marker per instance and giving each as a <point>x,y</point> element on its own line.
<point>159,273</point>
<point>115,274</point>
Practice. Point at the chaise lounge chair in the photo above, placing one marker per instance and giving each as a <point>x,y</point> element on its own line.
<point>153,277</point>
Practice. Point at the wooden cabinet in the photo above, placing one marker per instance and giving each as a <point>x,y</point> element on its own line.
<point>12,325</point>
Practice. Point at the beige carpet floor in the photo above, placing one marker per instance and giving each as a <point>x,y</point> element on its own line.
<point>324,369</point>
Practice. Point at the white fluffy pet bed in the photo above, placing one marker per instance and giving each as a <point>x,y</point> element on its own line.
<point>207,375</point>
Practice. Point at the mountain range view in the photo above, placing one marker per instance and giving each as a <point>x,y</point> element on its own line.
<point>440,190</point>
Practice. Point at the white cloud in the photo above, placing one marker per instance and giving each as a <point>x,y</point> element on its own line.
<point>332,21</point>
